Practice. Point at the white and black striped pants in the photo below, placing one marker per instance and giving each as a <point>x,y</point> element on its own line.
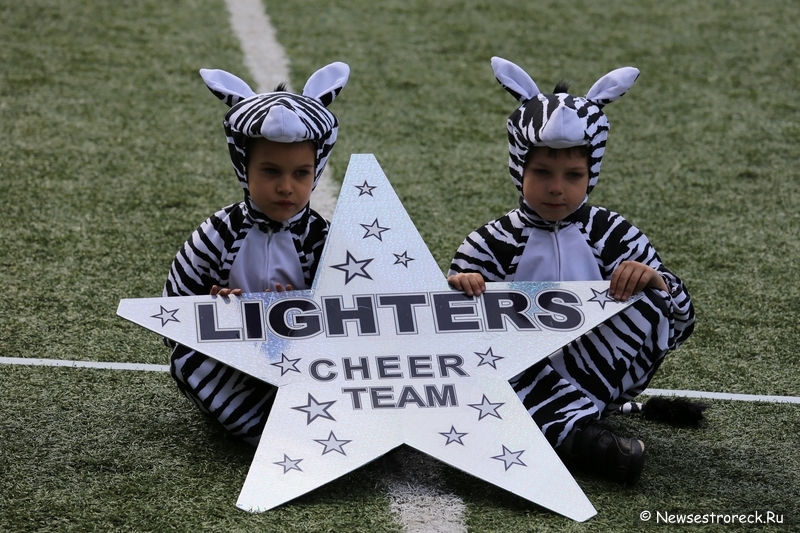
<point>241,403</point>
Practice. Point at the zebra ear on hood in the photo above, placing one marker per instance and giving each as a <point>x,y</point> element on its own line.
<point>612,86</point>
<point>226,86</point>
<point>326,83</point>
<point>514,80</point>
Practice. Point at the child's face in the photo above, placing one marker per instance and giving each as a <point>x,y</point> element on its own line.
<point>555,186</point>
<point>280,176</point>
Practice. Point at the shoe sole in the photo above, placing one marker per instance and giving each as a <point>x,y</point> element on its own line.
<point>636,465</point>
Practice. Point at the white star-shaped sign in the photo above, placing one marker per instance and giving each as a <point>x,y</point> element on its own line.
<point>372,357</point>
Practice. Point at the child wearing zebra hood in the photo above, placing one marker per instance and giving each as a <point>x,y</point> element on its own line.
<point>556,145</point>
<point>279,143</point>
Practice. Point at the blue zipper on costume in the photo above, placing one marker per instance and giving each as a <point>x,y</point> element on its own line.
<point>558,249</point>
<point>270,232</point>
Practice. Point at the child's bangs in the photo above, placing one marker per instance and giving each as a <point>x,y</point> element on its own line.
<point>555,153</point>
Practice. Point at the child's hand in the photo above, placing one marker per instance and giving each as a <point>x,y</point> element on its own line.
<point>631,277</point>
<point>281,288</point>
<point>471,283</point>
<point>216,291</point>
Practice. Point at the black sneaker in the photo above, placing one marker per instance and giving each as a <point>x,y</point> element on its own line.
<point>603,453</point>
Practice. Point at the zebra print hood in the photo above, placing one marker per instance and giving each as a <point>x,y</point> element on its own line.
<point>279,116</point>
<point>558,120</point>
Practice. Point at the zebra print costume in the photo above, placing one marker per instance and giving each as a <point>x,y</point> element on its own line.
<point>292,248</point>
<point>612,364</point>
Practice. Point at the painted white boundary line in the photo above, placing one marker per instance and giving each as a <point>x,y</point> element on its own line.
<point>165,368</point>
<point>722,396</point>
<point>82,364</point>
<point>419,496</point>
<point>263,55</point>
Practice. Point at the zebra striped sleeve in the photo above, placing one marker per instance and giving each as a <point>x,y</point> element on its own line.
<point>492,250</point>
<point>618,240</point>
<point>201,262</point>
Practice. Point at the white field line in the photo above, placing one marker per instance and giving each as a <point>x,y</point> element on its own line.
<point>727,396</point>
<point>419,497</point>
<point>82,364</point>
<point>722,396</point>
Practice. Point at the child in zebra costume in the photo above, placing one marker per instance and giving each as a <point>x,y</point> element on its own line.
<point>279,143</point>
<point>556,145</point>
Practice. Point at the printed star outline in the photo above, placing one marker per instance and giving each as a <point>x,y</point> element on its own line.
<point>453,436</point>
<point>166,315</point>
<point>403,259</point>
<point>487,408</point>
<point>353,268</point>
<point>601,297</point>
<point>287,365</point>
<point>510,458</point>
<point>366,188</point>
<point>332,444</point>
<point>315,409</point>
<point>289,464</point>
<point>488,358</point>
<point>374,230</point>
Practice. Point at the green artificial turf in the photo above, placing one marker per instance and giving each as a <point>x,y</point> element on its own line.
<point>733,465</point>
<point>94,450</point>
<point>112,152</point>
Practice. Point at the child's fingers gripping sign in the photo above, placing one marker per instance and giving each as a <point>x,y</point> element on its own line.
<point>224,292</point>
<point>631,278</point>
<point>471,283</point>
<point>280,288</point>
